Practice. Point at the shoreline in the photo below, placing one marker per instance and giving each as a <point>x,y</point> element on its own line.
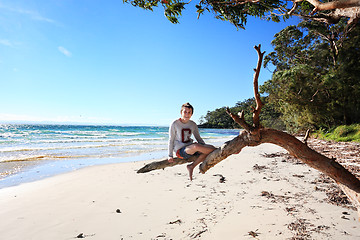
<point>262,197</point>
<point>29,171</point>
<point>37,170</point>
<point>33,152</point>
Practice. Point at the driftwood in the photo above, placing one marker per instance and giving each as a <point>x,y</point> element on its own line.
<point>255,134</point>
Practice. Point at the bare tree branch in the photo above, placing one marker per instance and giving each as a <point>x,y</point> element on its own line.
<point>319,6</point>
<point>165,163</point>
<point>259,104</point>
<point>340,8</point>
<point>307,135</point>
<point>239,119</point>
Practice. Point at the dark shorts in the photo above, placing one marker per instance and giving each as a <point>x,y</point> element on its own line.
<point>182,154</point>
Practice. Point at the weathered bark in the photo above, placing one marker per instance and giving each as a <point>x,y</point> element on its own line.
<point>307,135</point>
<point>320,6</point>
<point>353,196</point>
<point>165,163</point>
<point>340,8</point>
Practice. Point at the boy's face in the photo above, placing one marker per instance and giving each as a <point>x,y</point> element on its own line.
<point>186,113</point>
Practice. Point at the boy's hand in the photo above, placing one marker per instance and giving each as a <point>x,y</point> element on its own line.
<point>170,160</point>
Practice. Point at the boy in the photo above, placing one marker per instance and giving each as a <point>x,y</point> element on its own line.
<point>180,139</point>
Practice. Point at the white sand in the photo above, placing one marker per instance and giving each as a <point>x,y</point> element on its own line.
<point>164,204</point>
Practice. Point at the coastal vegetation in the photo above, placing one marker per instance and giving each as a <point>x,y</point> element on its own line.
<point>343,133</point>
<point>316,75</point>
<point>218,118</point>
<point>314,84</point>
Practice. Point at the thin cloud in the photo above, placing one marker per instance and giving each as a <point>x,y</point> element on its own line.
<point>44,19</point>
<point>32,14</point>
<point>19,118</point>
<point>64,51</point>
<point>6,42</point>
<point>9,43</point>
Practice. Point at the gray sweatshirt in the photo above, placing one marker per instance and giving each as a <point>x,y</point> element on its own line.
<point>180,135</point>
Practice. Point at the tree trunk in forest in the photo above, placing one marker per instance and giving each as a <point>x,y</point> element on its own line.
<point>255,134</point>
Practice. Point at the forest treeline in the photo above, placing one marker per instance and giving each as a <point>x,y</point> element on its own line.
<point>315,84</point>
<point>218,118</point>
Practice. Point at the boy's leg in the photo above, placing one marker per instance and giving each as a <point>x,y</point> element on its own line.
<point>191,166</point>
<point>197,147</point>
<point>204,151</point>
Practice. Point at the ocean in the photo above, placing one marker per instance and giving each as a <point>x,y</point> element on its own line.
<point>32,152</point>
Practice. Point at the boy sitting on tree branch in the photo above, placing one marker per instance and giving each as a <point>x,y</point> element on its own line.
<point>181,143</point>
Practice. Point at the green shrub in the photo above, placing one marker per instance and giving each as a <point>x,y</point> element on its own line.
<point>343,133</point>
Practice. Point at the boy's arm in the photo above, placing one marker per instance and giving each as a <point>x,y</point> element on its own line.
<point>171,140</point>
<point>197,135</point>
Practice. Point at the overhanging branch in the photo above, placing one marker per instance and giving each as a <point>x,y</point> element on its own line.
<point>339,8</point>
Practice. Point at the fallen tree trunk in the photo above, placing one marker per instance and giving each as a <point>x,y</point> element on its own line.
<point>346,180</point>
<point>294,146</point>
<point>255,134</point>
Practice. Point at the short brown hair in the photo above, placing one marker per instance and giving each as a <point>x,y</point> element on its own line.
<point>187,105</point>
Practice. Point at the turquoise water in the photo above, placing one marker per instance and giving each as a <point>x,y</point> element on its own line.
<point>31,152</point>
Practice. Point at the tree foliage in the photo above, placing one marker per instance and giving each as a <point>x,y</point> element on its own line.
<point>316,75</point>
<point>315,82</point>
<point>218,118</point>
<point>237,12</point>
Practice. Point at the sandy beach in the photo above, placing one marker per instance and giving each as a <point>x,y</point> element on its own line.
<point>261,196</point>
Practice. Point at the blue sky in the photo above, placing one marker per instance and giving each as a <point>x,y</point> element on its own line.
<point>106,62</point>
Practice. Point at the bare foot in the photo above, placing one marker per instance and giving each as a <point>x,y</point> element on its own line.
<point>190,169</point>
